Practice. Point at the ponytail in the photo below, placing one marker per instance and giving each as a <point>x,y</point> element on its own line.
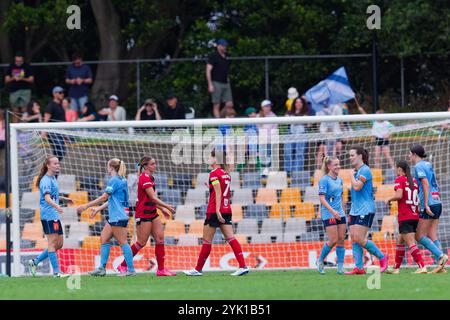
<point>406,169</point>
<point>326,162</point>
<point>119,166</point>
<point>143,162</point>
<point>44,169</point>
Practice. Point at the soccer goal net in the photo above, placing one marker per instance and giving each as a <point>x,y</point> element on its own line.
<point>274,168</point>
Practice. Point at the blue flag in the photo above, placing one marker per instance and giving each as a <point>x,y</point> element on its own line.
<point>334,89</point>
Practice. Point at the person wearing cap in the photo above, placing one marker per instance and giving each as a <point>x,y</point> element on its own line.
<point>20,78</point>
<point>430,206</point>
<point>54,112</point>
<point>174,110</point>
<point>266,133</point>
<point>149,111</point>
<point>251,134</point>
<point>217,70</point>
<point>114,112</point>
<point>291,96</point>
<point>79,77</point>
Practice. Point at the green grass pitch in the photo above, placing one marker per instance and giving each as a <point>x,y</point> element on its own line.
<point>263,285</point>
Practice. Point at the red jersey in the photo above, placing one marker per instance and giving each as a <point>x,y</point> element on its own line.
<point>408,205</point>
<point>144,207</point>
<point>218,175</point>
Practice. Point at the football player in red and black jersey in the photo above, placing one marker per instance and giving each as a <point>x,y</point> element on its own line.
<point>218,215</point>
<point>407,196</point>
<point>148,221</point>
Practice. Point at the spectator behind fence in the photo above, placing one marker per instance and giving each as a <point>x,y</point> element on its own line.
<point>32,113</point>
<point>149,111</point>
<point>251,136</point>
<point>114,112</point>
<point>71,115</point>
<point>217,70</point>
<point>291,96</point>
<point>88,113</point>
<point>267,133</point>
<point>380,130</point>
<point>20,78</point>
<point>79,77</point>
<point>294,150</point>
<point>54,112</point>
<point>227,132</point>
<point>2,128</point>
<point>174,110</point>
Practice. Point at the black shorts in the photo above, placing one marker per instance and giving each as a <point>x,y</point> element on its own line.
<point>120,223</point>
<point>334,222</point>
<point>52,226</point>
<point>139,220</point>
<point>214,222</point>
<point>365,221</point>
<point>408,226</point>
<point>381,142</point>
<point>435,208</point>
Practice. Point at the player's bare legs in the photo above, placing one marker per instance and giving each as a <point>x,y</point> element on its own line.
<point>158,236</point>
<point>227,231</point>
<point>143,231</point>
<point>387,153</point>
<point>377,156</point>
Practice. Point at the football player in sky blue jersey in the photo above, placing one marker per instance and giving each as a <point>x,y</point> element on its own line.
<point>362,211</point>
<point>115,198</point>
<point>431,206</point>
<point>332,212</point>
<point>49,210</point>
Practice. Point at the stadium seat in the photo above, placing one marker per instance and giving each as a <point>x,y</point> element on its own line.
<point>32,231</point>
<point>174,228</point>
<point>78,230</point>
<point>69,215</point>
<point>272,226</point>
<point>345,195</point>
<point>394,208</point>
<point>377,236</point>
<point>266,196</point>
<point>218,238</point>
<point>247,226</point>
<point>388,225</point>
<point>311,195</point>
<point>256,211</point>
<point>300,179</point>
<point>377,176</point>
<point>251,180</point>
<point>201,182</point>
<point>188,240</point>
<point>26,216</point>
<point>384,191</point>
<point>27,244</point>
<point>67,183</point>
<point>242,197</point>
<point>381,209</point>
<point>2,216</point>
<point>91,242</point>
<point>238,213</point>
<point>311,236</point>
<point>89,183</point>
<point>161,180</point>
<point>30,200</point>
<point>261,238</point>
<point>389,176</point>
<point>195,197</point>
<point>201,212</point>
<point>280,210</point>
<point>185,213</point>
<point>290,237</point>
<point>318,174</point>
<point>172,197</point>
<point>305,210</point>
<point>86,217</point>
<point>277,180</point>
<point>196,228</point>
<point>182,181</point>
<point>315,226</point>
<point>2,231</point>
<point>291,196</point>
<point>295,226</point>
<point>3,200</point>
<point>70,243</point>
<point>345,175</point>
<point>79,197</point>
<point>235,180</point>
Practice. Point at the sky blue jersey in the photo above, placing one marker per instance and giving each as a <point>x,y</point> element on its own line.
<point>362,201</point>
<point>48,185</point>
<point>118,207</point>
<point>332,189</point>
<point>424,169</point>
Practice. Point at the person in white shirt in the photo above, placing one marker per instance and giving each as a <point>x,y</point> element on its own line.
<point>267,133</point>
<point>114,112</point>
<point>381,132</point>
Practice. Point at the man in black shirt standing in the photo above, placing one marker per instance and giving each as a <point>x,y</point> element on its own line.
<point>19,77</point>
<point>217,70</point>
<point>54,112</point>
<point>174,110</point>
